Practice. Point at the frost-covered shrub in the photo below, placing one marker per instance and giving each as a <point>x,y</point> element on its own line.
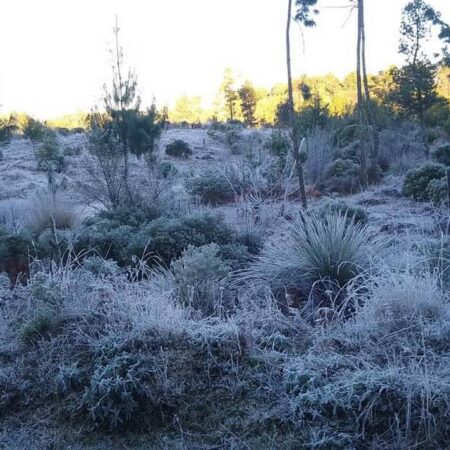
<point>353,212</point>
<point>165,239</point>
<point>417,180</point>
<point>236,255</point>
<point>101,267</point>
<point>178,149</point>
<point>69,378</point>
<point>199,275</point>
<point>343,176</point>
<point>442,155</point>
<point>131,216</point>
<point>15,249</point>
<point>40,326</point>
<point>55,243</point>
<point>211,187</point>
<point>123,391</point>
<point>437,191</point>
<point>108,239</point>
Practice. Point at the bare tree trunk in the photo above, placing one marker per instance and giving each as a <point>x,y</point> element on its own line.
<point>448,187</point>
<point>368,103</point>
<point>294,134</point>
<point>360,104</point>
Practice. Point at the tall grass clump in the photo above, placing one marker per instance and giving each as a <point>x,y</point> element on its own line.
<point>379,379</point>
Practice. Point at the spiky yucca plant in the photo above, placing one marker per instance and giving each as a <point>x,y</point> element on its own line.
<point>314,248</point>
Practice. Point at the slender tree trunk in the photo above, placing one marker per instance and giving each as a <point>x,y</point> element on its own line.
<point>360,105</point>
<point>448,188</point>
<point>368,102</point>
<point>294,134</point>
<point>423,130</point>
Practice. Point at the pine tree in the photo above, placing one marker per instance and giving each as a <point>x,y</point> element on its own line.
<point>230,94</point>
<point>247,95</point>
<point>134,132</point>
<point>416,81</point>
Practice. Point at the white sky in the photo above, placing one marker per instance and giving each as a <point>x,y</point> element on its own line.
<point>54,59</point>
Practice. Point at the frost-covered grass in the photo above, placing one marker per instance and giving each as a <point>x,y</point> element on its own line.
<point>104,349</point>
<point>317,331</point>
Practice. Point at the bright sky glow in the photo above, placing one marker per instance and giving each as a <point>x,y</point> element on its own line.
<point>54,57</point>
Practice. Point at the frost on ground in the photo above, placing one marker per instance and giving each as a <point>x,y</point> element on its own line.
<point>220,318</point>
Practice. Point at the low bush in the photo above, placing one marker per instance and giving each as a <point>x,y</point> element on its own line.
<point>417,180</point>
<point>39,327</point>
<point>123,390</point>
<point>166,239</point>
<point>352,212</point>
<point>211,187</point>
<point>437,191</point>
<point>15,251</point>
<point>107,239</point>
<point>342,176</point>
<point>178,149</point>
<point>442,155</point>
<point>131,216</point>
<point>101,267</point>
<point>199,275</point>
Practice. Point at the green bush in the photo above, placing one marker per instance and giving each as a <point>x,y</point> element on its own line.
<point>108,239</point>
<point>442,155</point>
<point>437,191</point>
<point>417,180</point>
<point>342,176</point>
<point>15,249</point>
<point>211,187</point>
<point>125,236</point>
<point>166,239</point>
<point>39,327</point>
<point>199,275</point>
<point>13,244</point>
<point>49,156</point>
<point>131,216</point>
<point>178,149</point>
<point>353,213</point>
<point>101,267</point>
